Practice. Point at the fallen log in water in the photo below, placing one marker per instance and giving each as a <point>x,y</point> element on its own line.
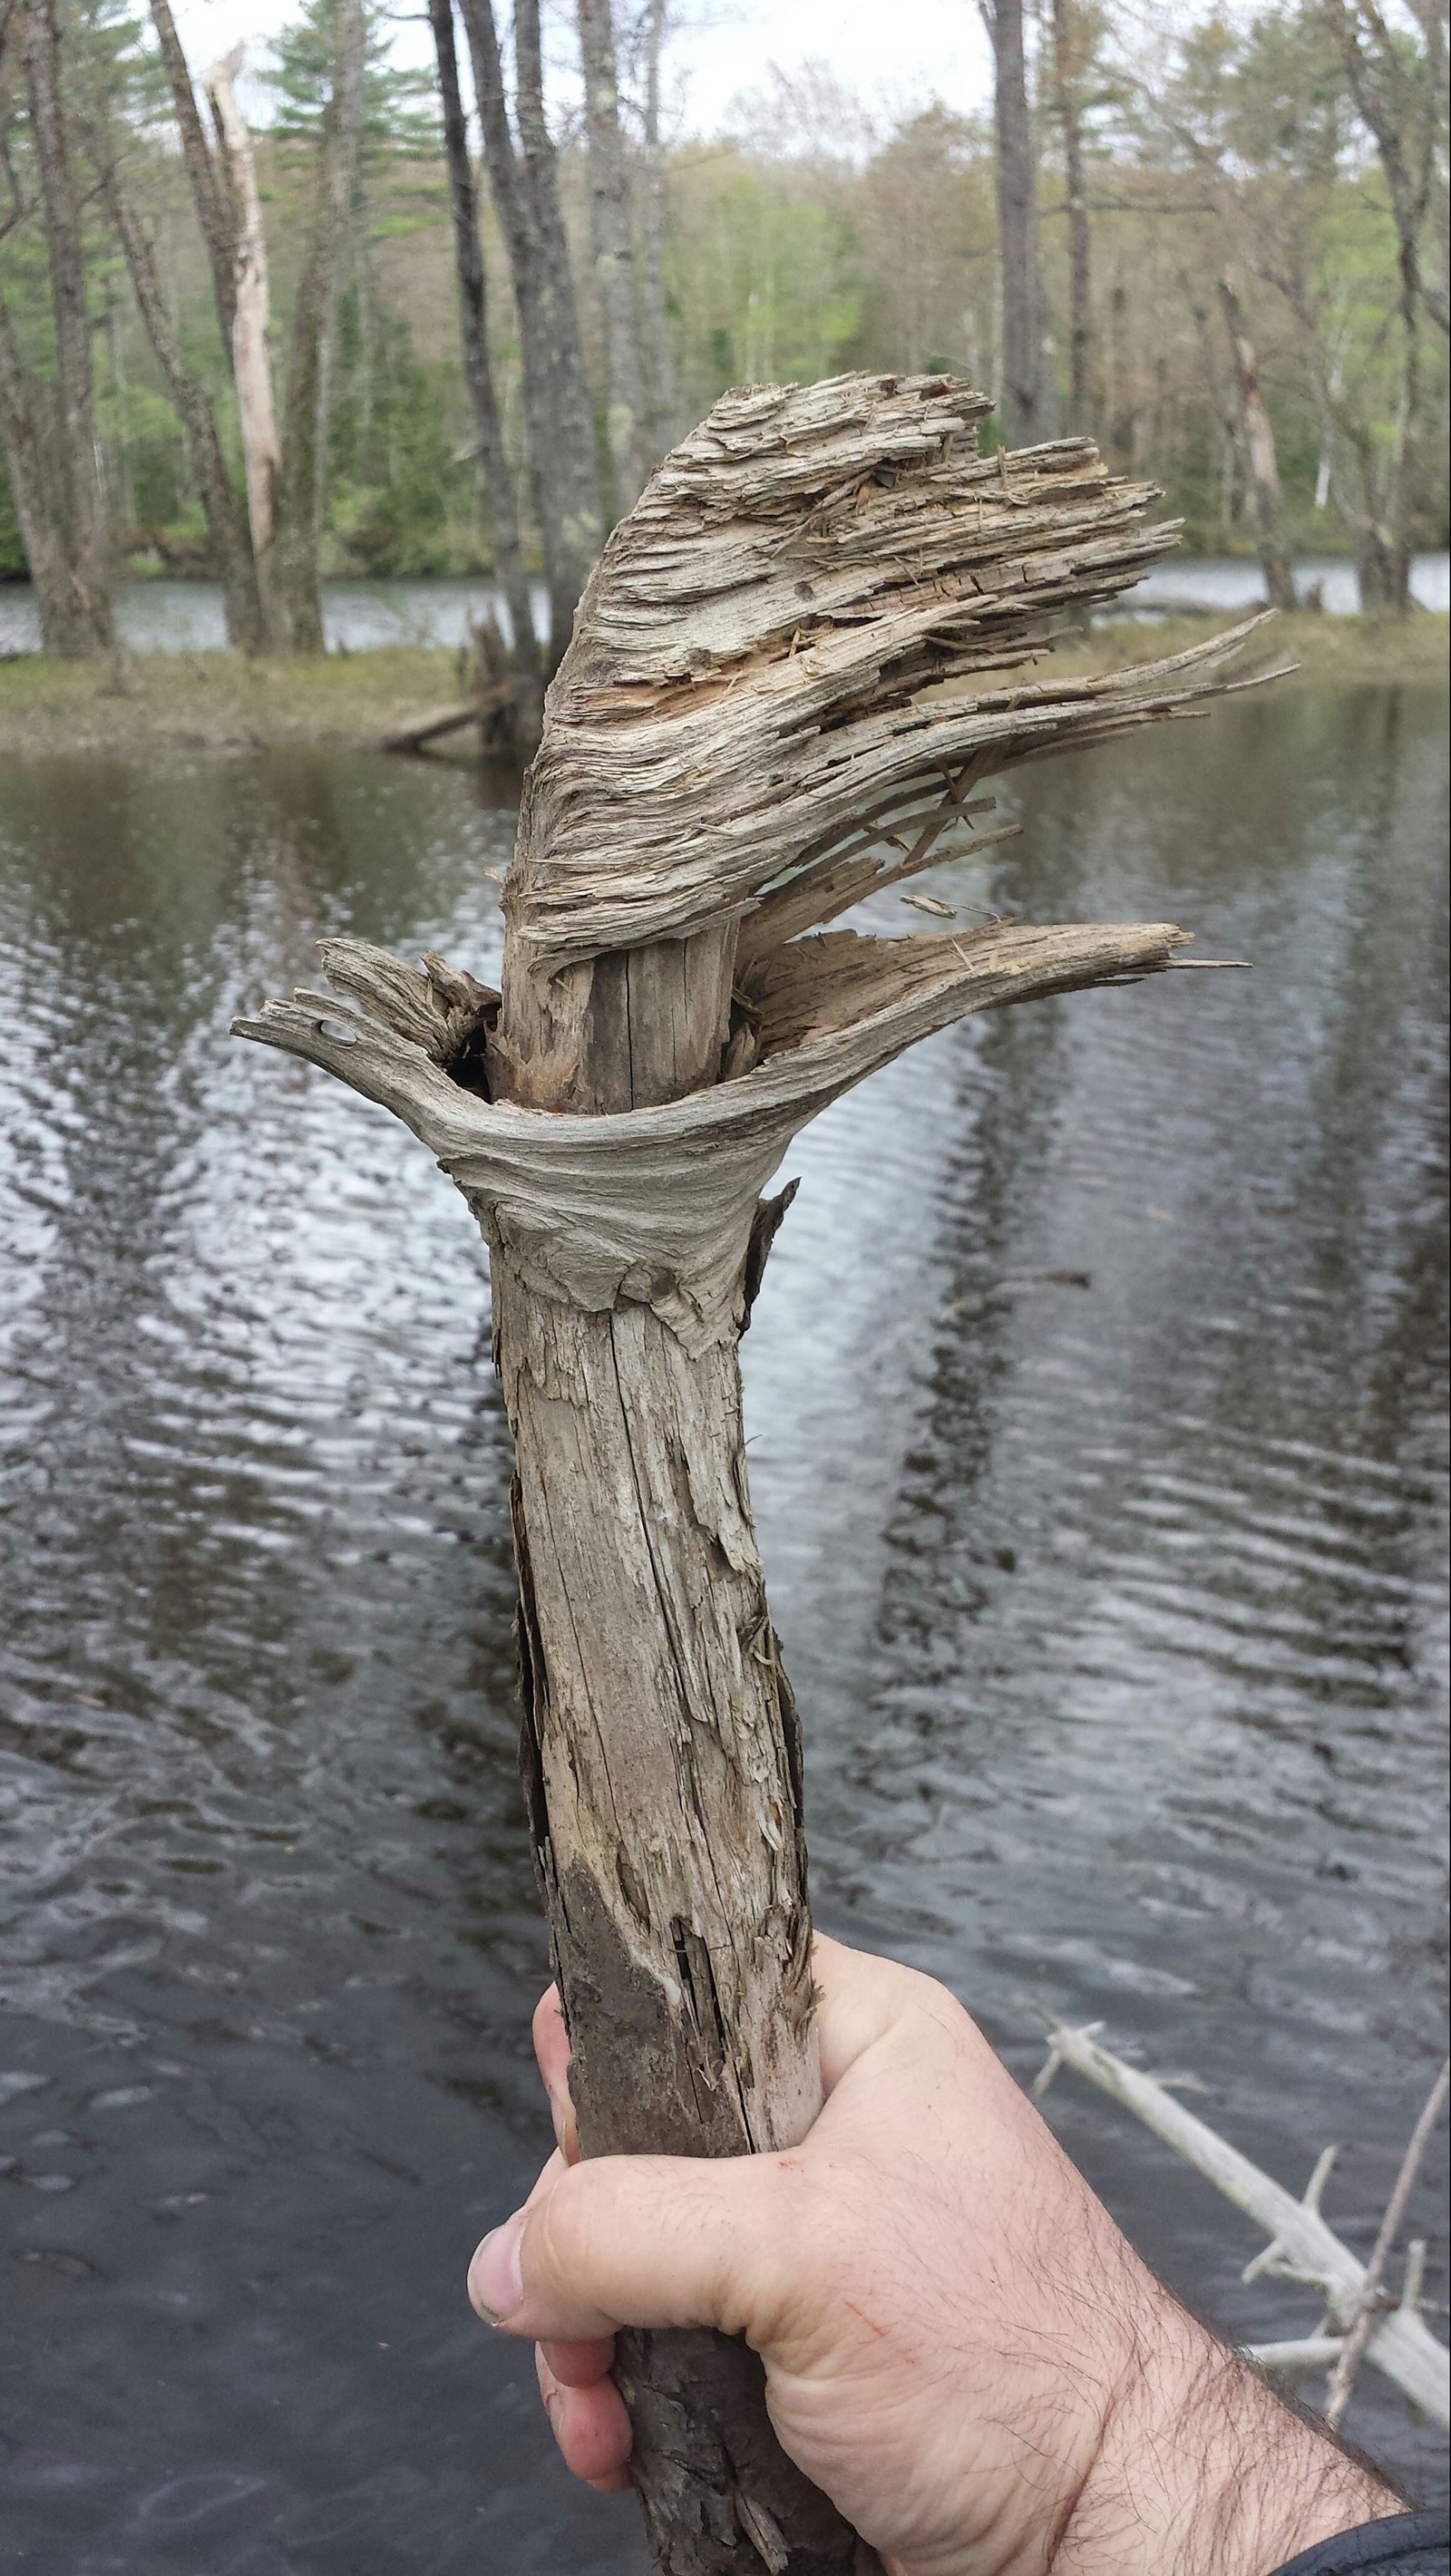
<point>736,748</point>
<point>441,721</point>
<point>1302,2246</point>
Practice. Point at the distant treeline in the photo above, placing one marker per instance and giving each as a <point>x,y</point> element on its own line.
<point>414,324</point>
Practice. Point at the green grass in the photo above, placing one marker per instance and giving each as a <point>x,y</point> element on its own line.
<point>219,701</point>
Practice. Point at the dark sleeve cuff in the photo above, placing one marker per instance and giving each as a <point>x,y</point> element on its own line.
<point>1406,2544</point>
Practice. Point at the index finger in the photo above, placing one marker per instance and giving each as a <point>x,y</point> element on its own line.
<point>859,1997</point>
<point>552,2051</point>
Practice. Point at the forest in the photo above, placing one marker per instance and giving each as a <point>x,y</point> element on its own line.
<point>402,322</point>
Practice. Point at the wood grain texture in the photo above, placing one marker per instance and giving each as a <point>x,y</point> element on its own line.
<point>661,1747</point>
<point>662,1760</point>
<point>808,614</point>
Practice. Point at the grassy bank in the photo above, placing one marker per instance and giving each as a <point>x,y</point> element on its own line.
<point>218,701</point>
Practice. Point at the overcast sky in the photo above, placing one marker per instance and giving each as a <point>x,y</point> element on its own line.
<point>896,56</point>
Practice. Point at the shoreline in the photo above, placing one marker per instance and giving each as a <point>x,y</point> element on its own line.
<point>219,702</point>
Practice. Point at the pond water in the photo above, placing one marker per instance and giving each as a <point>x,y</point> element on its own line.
<point>1116,1611</point>
<point>188,616</point>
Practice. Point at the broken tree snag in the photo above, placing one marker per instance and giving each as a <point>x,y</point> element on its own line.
<point>785,681</point>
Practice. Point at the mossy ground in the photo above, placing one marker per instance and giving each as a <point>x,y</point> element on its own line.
<point>219,701</point>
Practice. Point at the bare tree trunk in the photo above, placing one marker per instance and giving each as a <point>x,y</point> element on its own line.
<point>1234,465</point>
<point>212,192</point>
<point>226,523</point>
<point>251,352</point>
<point>1258,445</point>
<point>302,484</point>
<point>1401,472</point>
<point>1401,99</point>
<point>64,619</point>
<point>612,234</point>
<point>653,971</point>
<point>577,475</point>
<point>660,364</point>
<point>1024,406</point>
<point>497,481</point>
<point>83,505</point>
<point>1373,504</point>
<point>564,465</point>
<point>1070,63</point>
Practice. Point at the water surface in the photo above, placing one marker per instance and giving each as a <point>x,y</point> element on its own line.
<point>1116,1611</point>
<point>166,616</point>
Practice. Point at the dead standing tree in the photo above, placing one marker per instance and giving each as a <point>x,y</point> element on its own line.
<point>87,623</point>
<point>1020,331</point>
<point>612,235</point>
<point>736,748</point>
<point>495,475</point>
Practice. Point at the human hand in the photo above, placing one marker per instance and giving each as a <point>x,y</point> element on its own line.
<point>960,2347</point>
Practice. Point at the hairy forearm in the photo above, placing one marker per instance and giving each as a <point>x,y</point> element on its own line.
<point>1201,2470</point>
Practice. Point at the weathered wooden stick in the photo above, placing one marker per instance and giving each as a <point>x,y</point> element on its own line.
<point>1299,2358</point>
<point>732,741</point>
<point>1301,2248</point>
<point>1304,2355</point>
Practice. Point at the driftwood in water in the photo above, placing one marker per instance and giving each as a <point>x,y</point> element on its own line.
<point>442,721</point>
<point>505,703</point>
<point>1302,2246</point>
<point>746,734</point>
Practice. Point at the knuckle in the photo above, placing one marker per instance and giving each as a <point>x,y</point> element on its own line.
<point>562,2232</point>
<point>806,2236</point>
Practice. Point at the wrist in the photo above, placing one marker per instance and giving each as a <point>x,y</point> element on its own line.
<point>1200,2470</point>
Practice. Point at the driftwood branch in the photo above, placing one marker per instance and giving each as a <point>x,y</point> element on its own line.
<point>784,687</point>
<point>440,721</point>
<point>1360,2325</point>
<point>1302,2246</point>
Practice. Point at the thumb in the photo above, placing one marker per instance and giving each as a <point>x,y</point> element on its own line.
<point>645,2241</point>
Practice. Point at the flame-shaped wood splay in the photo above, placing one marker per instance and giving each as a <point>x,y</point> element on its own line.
<point>790,671</point>
<point>745,687</point>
